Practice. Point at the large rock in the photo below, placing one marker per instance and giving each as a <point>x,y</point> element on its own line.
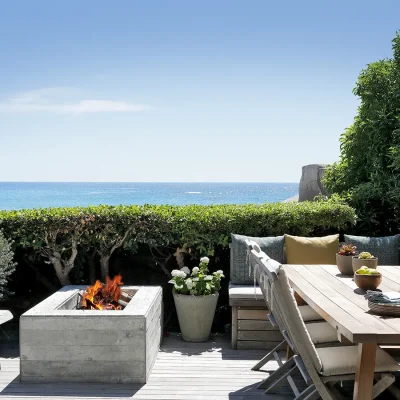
<point>311,182</point>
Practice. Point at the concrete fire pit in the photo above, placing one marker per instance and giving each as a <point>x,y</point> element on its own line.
<point>59,343</point>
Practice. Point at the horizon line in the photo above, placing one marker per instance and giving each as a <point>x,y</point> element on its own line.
<point>219,182</point>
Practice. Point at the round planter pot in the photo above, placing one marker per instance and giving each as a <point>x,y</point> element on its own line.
<point>344,263</point>
<point>195,315</point>
<point>359,262</point>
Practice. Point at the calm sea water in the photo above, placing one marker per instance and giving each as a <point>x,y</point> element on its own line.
<point>33,195</point>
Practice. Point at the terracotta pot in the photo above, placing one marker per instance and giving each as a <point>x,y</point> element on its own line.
<point>344,263</point>
<point>359,262</point>
<point>195,315</point>
<point>367,282</point>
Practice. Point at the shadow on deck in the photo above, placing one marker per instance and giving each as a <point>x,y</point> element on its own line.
<point>195,371</point>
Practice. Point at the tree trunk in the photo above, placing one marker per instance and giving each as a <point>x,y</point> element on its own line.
<point>92,267</point>
<point>64,279</point>
<point>61,272</point>
<point>104,266</point>
<point>180,257</point>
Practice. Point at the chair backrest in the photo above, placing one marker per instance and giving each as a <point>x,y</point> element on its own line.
<point>266,275</point>
<point>286,303</point>
<point>264,281</point>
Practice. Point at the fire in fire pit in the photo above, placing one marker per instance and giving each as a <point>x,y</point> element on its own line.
<point>106,296</point>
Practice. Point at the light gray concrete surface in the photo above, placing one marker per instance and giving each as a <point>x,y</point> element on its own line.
<point>58,344</point>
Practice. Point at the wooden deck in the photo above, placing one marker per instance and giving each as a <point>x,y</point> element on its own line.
<point>183,371</point>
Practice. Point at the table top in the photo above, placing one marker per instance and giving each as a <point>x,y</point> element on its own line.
<point>340,302</point>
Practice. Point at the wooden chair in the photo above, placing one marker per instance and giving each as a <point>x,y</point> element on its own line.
<point>321,332</point>
<point>321,368</point>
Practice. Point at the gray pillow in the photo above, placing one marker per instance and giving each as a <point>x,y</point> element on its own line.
<point>272,246</point>
<point>386,248</point>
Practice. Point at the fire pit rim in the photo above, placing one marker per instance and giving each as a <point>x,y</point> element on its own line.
<point>49,306</point>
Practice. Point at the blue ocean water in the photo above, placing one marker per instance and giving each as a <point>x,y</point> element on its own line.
<point>18,195</point>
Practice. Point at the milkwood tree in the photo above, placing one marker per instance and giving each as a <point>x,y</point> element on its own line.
<point>55,233</point>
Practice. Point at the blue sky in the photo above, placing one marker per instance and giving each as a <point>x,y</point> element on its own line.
<point>181,90</point>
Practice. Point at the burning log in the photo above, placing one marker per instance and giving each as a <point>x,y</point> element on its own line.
<point>122,303</point>
<point>104,296</point>
<point>126,296</point>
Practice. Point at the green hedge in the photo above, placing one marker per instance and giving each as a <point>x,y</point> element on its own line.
<point>62,235</point>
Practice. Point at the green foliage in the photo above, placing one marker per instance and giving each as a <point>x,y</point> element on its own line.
<point>7,266</point>
<point>367,175</point>
<point>58,234</point>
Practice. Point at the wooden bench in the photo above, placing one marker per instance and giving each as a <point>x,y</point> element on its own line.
<point>250,326</point>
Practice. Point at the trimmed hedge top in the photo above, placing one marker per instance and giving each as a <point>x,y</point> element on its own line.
<point>199,227</point>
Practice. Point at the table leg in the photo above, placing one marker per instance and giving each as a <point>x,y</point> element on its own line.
<point>365,371</point>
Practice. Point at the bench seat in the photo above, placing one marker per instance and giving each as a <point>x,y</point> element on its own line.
<point>247,292</point>
<point>251,328</point>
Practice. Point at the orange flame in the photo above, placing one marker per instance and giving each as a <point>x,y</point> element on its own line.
<point>103,296</point>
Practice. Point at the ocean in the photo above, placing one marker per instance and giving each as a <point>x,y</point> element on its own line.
<point>20,195</point>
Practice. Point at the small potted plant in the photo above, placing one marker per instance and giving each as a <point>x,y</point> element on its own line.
<point>344,258</point>
<point>196,296</point>
<point>364,259</point>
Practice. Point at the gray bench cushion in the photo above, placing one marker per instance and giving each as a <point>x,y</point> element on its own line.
<point>386,248</point>
<point>273,246</point>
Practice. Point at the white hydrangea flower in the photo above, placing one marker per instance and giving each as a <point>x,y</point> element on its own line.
<point>208,278</point>
<point>195,279</point>
<point>178,273</point>
<point>194,291</point>
<point>204,260</point>
<point>189,283</point>
<point>186,270</point>
<point>195,270</point>
<point>219,272</point>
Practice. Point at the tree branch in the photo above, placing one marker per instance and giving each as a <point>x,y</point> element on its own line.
<point>121,242</point>
<point>162,264</point>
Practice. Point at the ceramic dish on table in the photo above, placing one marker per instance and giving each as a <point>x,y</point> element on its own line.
<point>367,282</point>
<point>392,310</point>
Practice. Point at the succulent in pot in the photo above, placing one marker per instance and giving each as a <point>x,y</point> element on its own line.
<point>344,258</point>
<point>364,259</point>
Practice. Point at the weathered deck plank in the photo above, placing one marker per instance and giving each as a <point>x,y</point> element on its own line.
<point>195,371</point>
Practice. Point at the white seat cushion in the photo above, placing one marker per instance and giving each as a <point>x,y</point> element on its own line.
<point>322,332</point>
<point>309,314</point>
<point>245,292</point>
<point>343,360</point>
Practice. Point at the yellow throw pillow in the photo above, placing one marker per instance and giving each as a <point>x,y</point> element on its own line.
<point>316,250</point>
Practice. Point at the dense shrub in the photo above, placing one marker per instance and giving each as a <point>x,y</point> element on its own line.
<point>61,235</point>
<point>368,174</point>
<point>7,265</point>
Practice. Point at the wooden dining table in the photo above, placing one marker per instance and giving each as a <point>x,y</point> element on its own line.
<point>341,303</point>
